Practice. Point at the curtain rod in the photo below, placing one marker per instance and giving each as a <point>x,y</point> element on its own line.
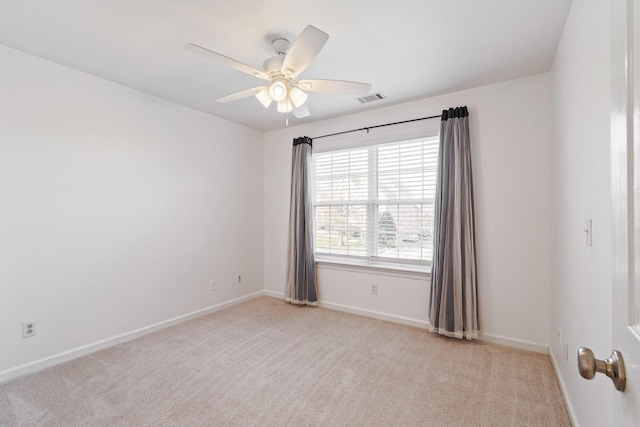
<point>377,126</point>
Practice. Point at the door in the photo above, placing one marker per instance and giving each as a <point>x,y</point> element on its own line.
<point>625,172</point>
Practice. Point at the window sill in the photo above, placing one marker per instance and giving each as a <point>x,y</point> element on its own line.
<point>372,267</point>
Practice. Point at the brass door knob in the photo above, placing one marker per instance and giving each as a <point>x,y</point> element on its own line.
<point>613,367</point>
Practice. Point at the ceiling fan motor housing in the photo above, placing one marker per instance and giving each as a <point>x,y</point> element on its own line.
<point>272,65</point>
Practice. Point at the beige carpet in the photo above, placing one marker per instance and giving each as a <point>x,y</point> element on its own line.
<point>267,363</point>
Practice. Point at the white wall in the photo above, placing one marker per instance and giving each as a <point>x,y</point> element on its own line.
<point>581,285</point>
<point>510,137</point>
<point>117,209</point>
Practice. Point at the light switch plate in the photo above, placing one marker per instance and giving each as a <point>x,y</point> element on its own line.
<point>588,238</point>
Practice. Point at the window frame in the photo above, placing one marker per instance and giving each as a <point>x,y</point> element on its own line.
<point>373,137</point>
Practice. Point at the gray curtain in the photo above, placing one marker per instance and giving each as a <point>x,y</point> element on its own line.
<point>301,274</point>
<point>453,309</point>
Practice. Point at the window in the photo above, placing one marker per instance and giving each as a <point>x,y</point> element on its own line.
<point>376,202</point>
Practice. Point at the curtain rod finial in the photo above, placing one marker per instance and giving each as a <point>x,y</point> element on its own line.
<point>302,140</point>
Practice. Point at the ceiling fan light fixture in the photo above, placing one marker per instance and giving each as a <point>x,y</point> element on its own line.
<point>278,90</point>
<point>264,98</point>
<point>297,96</point>
<point>285,106</point>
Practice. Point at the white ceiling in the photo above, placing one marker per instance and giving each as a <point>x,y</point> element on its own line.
<point>407,49</point>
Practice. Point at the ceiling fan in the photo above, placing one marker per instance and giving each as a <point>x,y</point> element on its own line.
<point>282,73</point>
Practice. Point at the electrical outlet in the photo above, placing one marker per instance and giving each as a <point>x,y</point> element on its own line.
<point>374,289</point>
<point>212,285</point>
<point>28,329</point>
<point>239,279</point>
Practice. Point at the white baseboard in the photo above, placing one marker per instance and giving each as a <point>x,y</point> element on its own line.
<point>56,359</point>
<point>423,324</point>
<point>273,294</point>
<point>362,312</point>
<point>563,390</point>
<point>515,343</point>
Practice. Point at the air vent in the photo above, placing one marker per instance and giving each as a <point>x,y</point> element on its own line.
<point>371,97</point>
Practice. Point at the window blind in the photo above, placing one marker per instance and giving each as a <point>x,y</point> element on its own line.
<point>376,202</point>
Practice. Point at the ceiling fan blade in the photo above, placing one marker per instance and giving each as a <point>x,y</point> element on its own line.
<point>335,86</point>
<point>303,50</point>
<point>242,94</point>
<point>301,112</point>
<point>225,60</point>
